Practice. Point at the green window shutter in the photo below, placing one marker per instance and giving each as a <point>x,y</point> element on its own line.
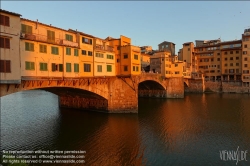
<point>26,46</point>
<point>27,66</point>
<point>68,67</point>
<point>32,66</point>
<point>76,67</point>
<point>61,67</point>
<point>23,28</point>
<point>75,52</point>
<point>53,66</point>
<point>109,68</point>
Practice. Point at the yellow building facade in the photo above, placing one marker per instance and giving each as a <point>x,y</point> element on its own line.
<point>9,47</point>
<point>246,58</point>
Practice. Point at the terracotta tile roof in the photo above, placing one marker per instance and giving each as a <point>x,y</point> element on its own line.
<point>8,12</point>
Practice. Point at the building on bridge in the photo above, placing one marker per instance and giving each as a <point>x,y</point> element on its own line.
<point>9,47</point>
<point>246,57</point>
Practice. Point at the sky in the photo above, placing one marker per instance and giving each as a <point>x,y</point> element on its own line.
<point>147,23</point>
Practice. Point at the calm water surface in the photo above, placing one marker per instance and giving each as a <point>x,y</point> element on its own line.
<point>189,131</point>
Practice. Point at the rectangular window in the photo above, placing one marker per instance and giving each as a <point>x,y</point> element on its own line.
<point>176,65</point>
<point>245,46</point>
<point>89,53</point>
<point>218,59</point>
<point>135,56</point>
<point>133,68</point>
<point>68,51</point>
<point>125,56</point>
<point>109,68</point>
<point>231,58</point>
<point>246,71</point>
<point>125,68</point>
<point>225,64</point>
<point>237,52</point>
<point>137,68</point>
<point>225,70</point>
<point>68,67</point>
<point>29,65</point>
<point>218,53</point>
<point>237,64</point>
<point>42,48</point>
<point>99,55</point>
<point>5,66</point>
<point>177,72</point>
<point>244,52</point>
<point>237,71</point>
<point>54,50</point>
<point>231,64</point>
<point>99,68</point>
<point>84,52</point>
<point>43,66</point>
<point>245,65</point>
<point>4,20</point>
<point>29,46</point>
<point>237,58</point>
<point>50,36</point>
<point>75,52</point>
<point>245,59</point>
<point>68,37</point>
<point>86,40</point>
<point>54,67</point>
<point>225,59</point>
<point>231,52</point>
<point>76,67</point>
<point>87,67</point>
<point>225,53</point>
<point>4,42</point>
<point>26,29</point>
<point>61,67</point>
<point>110,56</point>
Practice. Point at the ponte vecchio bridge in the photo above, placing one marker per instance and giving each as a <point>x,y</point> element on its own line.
<point>117,94</point>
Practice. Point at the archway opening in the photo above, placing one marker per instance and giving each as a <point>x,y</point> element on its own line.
<point>151,89</point>
<point>79,98</point>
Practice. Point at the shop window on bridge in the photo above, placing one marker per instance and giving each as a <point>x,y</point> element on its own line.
<point>43,66</point>
<point>137,68</point>
<point>110,56</point>
<point>68,51</point>
<point>75,52</point>
<point>5,66</point>
<point>29,46</point>
<point>109,68</point>
<point>4,20</point>
<point>68,37</point>
<point>54,50</point>
<point>135,56</point>
<point>133,68</point>
<point>84,52</point>
<point>125,56</point>
<point>42,48</point>
<point>87,67</point>
<point>177,72</point>
<point>100,55</point>
<point>26,29</point>
<point>4,42</point>
<point>68,67</point>
<point>86,40</point>
<point>29,65</point>
<point>57,67</point>
<point>89,53</point>
<point>125,68</point>
<point>50,36</point>
<point>76,67</point>
<point>99,68</point>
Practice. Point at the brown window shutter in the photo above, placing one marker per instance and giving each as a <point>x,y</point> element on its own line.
<point>7,66</point>
<point>1,42</point>
<point>1,20</point>
<point>7,21</point>
<point>7,43</point>
<point>2,66</point>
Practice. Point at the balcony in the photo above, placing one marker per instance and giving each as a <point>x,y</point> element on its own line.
<point>102,48</point>
<point>45,39</point>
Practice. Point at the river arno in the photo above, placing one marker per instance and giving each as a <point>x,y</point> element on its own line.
<point>189,131</point>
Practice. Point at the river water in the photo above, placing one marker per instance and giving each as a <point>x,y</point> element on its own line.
<point>190,131</point>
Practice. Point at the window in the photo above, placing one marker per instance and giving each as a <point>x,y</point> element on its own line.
<point>50,36</point>
<point>87,67</point>
<point>188,49</point>
<point>89,53</point>
<point>57,67</point>
<point>218,59</point>
<point>110,56</point>
<point>231,64</point>
<point>218,53</point>
<point>29,65</point>
<point>99,55</point>
<point>68,67</point>
<point>125,56</point>
<point>42,48</point>
<point>54,50</point>
<point>225,53</point>
<point>109,68</point>
<point>245,59</point>
<point>176,65</point>
<point>118,60</point>
<point>125,68</point>
<point>200,60</point>
<point>237,52</point>
<point>244,52</point>
<point>26,29</point>
<point>84,52</point>
<point>225,70</point>
<point>4,20</point>
<point>29,46</point>
<point>225,64</point>
<point>237,64</point>
<point>225,59</point>
<point>237,58</point>
<point>237,71</point>
<point>118,47</point>
<point>68,37</point>
<point>43,66</point>
<point>99,68</point>
<point>212,59</point>
<point>76,67</point>
<point>231,58</point>
<point>135,56</point>
<point>68,51</point>
<point>137,68</point>
<point>4,42</point>
<point>245,65</point>
<point>218,66</point>
<point>245,46</point>
<point>231,52</point>
<point>133,68</point>
<point>177,72</point>
<point>75,52</point>
<point>86,40</point>
<point>5,66</point>
<point>246,71</point>
<point>231,70</point>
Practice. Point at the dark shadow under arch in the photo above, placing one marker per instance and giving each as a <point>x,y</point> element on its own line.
<point>151,89</point>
